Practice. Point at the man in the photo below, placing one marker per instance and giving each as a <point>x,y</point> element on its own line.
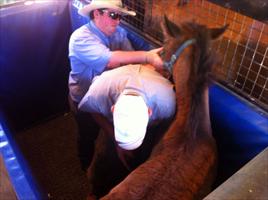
<point>131,98</point>
<point>95,47</point>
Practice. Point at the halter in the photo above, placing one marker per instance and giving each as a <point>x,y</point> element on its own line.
<point>175,56</point>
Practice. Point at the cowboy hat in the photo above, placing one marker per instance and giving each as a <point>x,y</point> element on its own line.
<point>112,4</point>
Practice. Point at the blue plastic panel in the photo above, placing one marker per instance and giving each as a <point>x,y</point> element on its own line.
<point>23,183</point>
<point>240,129</point>
<point>76,19</point>
<point>34,63</point>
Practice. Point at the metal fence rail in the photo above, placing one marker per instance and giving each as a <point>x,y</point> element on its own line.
<point>243,48</point>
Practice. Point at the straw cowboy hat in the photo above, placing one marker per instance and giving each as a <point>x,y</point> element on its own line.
<point>112,4</point>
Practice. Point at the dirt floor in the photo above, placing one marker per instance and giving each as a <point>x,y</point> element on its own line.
<point>50,150</point>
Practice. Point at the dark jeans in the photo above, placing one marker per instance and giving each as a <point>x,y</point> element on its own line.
<point>88,131</point>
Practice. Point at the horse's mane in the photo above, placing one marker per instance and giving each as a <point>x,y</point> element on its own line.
<point>203,60</point>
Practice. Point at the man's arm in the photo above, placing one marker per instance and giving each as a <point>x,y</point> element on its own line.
<point>120,58</point>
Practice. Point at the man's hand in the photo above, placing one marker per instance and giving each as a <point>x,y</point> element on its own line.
<point>153,58</point>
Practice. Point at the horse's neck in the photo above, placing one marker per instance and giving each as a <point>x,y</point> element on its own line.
<point>184,99</point>
<point>191,121</point>
<point>182,85</point>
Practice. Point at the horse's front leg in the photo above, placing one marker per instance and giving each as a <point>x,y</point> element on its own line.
<point>106,170</point>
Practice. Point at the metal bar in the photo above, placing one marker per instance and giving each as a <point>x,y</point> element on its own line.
<point>258,41</point>
<point>266,81</point>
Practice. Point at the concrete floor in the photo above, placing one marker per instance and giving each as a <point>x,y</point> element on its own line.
<point>250,182</point>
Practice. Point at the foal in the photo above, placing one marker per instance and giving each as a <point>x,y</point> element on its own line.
<point>182,165</point>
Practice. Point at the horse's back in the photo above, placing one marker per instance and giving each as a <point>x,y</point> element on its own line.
<point>182,172</point>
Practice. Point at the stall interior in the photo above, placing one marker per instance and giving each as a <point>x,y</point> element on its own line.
<point>34,67</point>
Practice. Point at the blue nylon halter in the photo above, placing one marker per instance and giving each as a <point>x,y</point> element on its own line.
<point>174,57</point>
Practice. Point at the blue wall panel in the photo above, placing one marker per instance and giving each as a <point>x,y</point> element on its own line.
<point>34,62</point>
<point>240,129</point>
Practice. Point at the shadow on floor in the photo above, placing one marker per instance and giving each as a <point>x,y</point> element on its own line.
<point>50,149</point>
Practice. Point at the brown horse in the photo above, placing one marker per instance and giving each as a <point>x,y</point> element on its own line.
<point>182,165</point>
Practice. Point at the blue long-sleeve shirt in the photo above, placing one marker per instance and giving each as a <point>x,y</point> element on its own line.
<point>89,52</point>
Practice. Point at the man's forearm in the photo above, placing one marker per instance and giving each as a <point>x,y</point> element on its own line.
<point>120,58</point>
